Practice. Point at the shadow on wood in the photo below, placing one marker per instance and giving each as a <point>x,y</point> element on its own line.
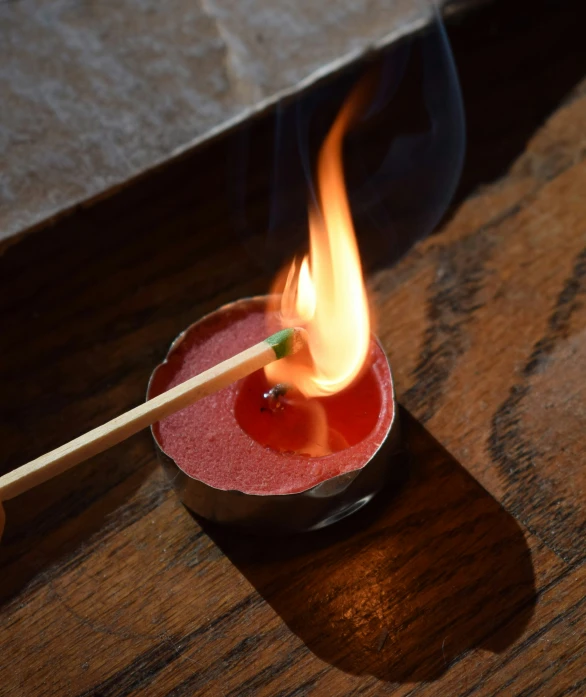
<point>63,520</point>
<point>430,570</point>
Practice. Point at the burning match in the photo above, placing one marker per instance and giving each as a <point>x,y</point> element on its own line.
<point>277,346</point>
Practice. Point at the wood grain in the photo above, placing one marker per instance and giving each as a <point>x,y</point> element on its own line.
<point>466,577</point>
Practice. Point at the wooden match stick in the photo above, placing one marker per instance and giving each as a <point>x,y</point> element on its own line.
<point>283,343</point>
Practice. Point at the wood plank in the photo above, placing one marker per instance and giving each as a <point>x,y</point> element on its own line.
<point>395,595</point>
<point>466,578</point>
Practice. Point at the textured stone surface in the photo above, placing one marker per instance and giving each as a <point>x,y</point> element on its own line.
<point>94,92</point>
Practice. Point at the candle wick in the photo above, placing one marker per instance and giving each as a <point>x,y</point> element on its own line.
<point>274,395</point>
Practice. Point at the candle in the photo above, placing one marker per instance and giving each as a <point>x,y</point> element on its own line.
<point>234,459</point>
<point>305,442</point>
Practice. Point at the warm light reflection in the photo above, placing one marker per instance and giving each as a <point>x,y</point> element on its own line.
<point>325,292</point>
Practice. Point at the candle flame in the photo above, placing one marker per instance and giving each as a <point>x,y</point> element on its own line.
<point>325,292</point>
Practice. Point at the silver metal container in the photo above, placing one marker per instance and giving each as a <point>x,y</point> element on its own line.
<point>312,509</point>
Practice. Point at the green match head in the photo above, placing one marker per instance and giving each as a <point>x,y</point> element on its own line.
<point>287,341</point>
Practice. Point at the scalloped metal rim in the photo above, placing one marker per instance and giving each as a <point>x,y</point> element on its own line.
<point>313,508</point>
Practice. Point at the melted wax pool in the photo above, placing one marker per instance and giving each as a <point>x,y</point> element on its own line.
<point>283,420</point>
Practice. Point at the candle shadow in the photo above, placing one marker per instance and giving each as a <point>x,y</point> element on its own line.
<point>433,568</point>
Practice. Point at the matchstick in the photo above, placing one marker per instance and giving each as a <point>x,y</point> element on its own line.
<point>283,343</point>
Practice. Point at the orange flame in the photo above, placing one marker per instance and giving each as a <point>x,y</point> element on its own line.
<point>325,292</point>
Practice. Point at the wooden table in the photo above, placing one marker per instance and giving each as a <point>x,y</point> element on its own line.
<point>466,577</point>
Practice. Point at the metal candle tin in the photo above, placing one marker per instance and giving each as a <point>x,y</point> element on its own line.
<point>312,509</point>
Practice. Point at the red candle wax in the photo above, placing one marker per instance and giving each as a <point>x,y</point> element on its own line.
<point>232,441</point>
<point>290,423</point>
